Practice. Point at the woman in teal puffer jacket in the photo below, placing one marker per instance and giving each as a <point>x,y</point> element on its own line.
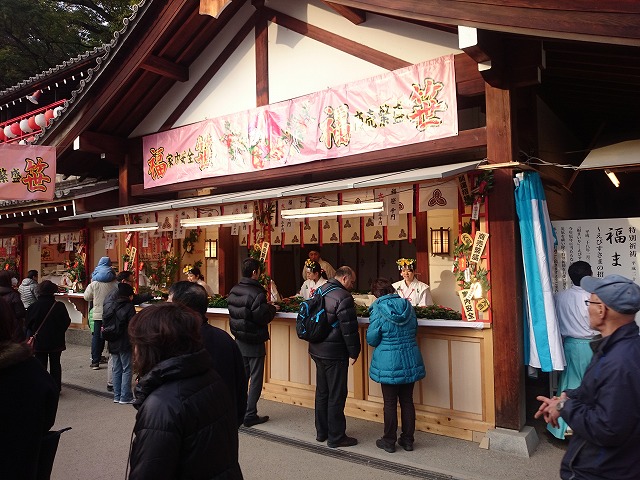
<point>396,363</point>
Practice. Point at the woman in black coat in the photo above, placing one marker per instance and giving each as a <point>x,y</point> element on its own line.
<point>50,341</point>
<point>185,426</point>
<point>28,403</point>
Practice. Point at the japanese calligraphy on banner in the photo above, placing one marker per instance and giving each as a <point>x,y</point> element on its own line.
<point>406,106</point>
<point>27,172</point>
<point>608,245</point>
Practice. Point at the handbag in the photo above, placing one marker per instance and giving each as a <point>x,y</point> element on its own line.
<point>31,341</point>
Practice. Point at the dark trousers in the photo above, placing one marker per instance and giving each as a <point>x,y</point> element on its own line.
<point>391,394</point>
<point>331,396</point>
<point>97,342</point>
<point>55,369</point>
<point>254,368</point>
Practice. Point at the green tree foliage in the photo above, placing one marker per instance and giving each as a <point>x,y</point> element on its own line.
<point>36,35</point>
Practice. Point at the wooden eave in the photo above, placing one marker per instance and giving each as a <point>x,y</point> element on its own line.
<point>588,20</point>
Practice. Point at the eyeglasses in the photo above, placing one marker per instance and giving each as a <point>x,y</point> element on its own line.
<point>587,302</point>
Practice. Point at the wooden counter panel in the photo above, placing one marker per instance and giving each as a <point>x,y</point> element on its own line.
<point>455,399</point>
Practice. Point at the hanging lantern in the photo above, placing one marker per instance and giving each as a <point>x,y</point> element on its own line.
<point>48,115</point>
<point>15,129</point>
<point>8,133</point>
<point>32,123</point>
<point>3,137</point>
<point>33,98</point>
<point>24,126</point>
<point>40,120</point>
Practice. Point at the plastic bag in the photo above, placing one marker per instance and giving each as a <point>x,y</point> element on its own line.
<point>90,318</point>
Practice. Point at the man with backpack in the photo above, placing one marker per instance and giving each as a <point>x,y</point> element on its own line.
<point>249,317</point>
<point>118,310</point>
<point>331,357</point>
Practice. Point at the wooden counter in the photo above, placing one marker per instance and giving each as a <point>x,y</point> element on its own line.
<point>77,307</point>
<point>455,399</point>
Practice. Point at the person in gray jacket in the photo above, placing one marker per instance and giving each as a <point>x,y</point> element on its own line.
<point>331,357</point>
<point>103,283</point>
<point>27,288</point>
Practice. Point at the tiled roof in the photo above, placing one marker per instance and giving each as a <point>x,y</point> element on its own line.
<point>102,54</point>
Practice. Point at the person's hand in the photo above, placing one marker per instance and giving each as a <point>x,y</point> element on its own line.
<point>277,307</point>
<point>549,410</point>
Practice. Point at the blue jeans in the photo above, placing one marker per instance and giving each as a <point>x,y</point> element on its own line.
<point>122,377</point>
<point>97,342</point>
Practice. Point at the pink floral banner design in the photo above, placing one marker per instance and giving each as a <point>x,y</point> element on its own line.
<point>402,107</point>
<point>27,172</point>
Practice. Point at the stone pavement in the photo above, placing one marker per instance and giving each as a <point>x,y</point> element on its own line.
<point>102,432</point>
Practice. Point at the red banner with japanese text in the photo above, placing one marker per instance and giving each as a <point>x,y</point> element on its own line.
<point>402,107</point>
<point>27,172</point>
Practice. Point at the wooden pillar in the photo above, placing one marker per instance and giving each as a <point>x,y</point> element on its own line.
<point>262,56</point>
<point>422,246</point>
<point>506,268</point>
<point>227,260</point>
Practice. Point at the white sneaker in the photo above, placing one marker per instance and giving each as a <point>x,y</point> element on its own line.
<point>122,402</point>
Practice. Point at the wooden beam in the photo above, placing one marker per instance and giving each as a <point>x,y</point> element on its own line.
<point>210,73</point>
<point>354,15</point>
<point>165,68</point>
<point>262,61</point>
<point>506,275</point>
<point>587,20</point>
<point>94,142</point>
<point>351,47</point>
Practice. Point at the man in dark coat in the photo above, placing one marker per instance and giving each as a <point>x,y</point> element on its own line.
<point>331,357</point>
<point>12,297</point>
<point>249,317</point>
<point>603,411</point>
<point>226,356</point>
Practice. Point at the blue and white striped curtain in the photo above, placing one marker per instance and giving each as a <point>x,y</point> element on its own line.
<point>543,342</point>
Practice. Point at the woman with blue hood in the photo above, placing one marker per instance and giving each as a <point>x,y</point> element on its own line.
<point>396,362</point>
<point>103,283</point>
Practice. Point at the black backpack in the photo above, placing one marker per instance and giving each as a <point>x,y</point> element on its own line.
<point>112,328</point>
<point>312,324</point>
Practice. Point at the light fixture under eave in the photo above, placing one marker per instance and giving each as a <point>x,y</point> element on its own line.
<point>218,220</point>
<point>333,210</point>
<point>210,248</point>
<point>139,227</point>
<point>612,176</point>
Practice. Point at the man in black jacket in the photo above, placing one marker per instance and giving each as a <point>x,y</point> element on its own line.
<point>249,317</point>
<point>226,356</point>
<point>332,360</point>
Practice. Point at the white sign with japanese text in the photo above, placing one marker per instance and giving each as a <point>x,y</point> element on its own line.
<point>608,245</point>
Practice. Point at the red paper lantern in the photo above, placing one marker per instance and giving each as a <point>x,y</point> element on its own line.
<point>33,124</point>
<point>3,137</point>
<point>15,129</point>
<point>48,115</point>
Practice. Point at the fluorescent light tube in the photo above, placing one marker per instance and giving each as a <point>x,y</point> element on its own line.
<point>139,227</point>
<point>219,220</point>
<point>333,210</point>
<point>612,176</point>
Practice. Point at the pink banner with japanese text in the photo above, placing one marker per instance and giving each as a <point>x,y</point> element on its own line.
<point>402,107</point>
<point>27,172</point>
